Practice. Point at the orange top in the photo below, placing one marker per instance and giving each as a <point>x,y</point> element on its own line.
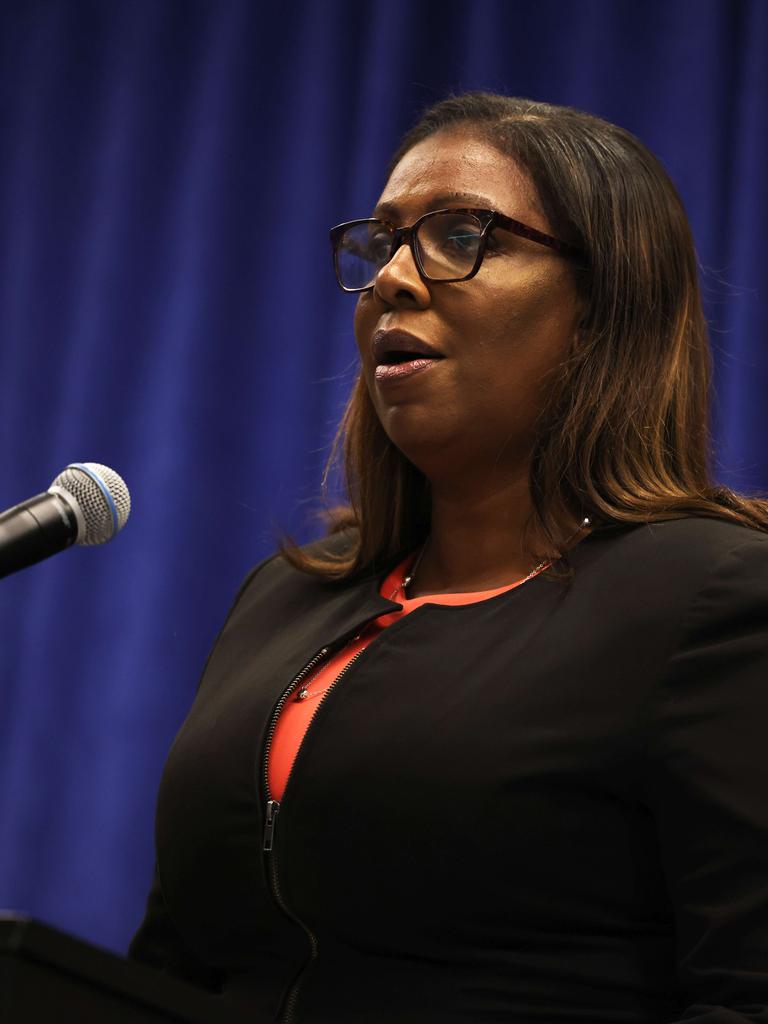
<point>300,707</point>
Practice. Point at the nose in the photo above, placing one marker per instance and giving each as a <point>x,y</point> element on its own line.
<point>399,280</point>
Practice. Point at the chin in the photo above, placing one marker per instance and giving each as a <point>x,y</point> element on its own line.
<point>420,440</point>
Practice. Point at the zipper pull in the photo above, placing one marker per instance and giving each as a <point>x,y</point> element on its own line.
<point>273,809</point>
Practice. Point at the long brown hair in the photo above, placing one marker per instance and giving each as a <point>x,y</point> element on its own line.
<point>625,434</point>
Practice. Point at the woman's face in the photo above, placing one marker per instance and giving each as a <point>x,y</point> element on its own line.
<point>500,334</point>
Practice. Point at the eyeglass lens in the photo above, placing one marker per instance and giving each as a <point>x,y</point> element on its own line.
<point>447,246</point>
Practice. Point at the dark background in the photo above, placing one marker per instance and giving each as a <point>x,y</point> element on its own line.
<point>168,173</point>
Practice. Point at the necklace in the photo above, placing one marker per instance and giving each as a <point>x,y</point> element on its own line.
<point>408,579</point>
<point>411,576</point>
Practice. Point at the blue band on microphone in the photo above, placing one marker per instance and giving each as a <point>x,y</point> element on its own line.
<point>102,487</point>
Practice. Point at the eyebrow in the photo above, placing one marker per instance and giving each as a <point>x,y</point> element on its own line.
<point>437,202</point>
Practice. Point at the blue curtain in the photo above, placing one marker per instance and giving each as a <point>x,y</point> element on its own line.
<point>168,173</point>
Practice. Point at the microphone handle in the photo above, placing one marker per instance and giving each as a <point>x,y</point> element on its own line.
<point>34,530</point>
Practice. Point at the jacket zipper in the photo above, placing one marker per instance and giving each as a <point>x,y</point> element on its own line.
<point>270,823</point>
<point>273,806</point>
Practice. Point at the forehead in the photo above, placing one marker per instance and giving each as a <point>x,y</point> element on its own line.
<point>459,168</point>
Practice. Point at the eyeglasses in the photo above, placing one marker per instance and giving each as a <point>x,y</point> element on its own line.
<point>447,245</point>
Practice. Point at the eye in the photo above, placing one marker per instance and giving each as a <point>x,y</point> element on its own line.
<point>379,243</point>
<point>461,239</point>
<point>493,245</point>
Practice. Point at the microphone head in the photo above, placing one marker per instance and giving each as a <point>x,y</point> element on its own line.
<point>99,497</point>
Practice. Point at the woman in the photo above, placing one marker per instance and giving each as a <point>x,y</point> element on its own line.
<point>494,751</point>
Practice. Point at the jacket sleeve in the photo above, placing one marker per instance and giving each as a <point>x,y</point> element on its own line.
<point>707,786</point>
<point>159,944</point>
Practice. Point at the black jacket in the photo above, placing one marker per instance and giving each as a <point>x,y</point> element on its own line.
<point>551,806</point>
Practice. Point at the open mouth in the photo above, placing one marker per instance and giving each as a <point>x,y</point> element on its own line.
<point>396,346</point>
<point>398,356</point>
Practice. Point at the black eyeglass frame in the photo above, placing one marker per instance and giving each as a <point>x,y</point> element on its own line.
<point>489,219</point>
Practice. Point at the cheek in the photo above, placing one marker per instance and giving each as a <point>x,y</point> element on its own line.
<point>535,323</point>
<point>363,322</point>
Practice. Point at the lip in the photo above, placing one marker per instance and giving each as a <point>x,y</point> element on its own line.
<point>395,340</point>
<point>395,373</point>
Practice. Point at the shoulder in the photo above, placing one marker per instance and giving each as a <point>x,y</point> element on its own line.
<point>664,572</point>
<point>276,573</point>
<point>689,548</point>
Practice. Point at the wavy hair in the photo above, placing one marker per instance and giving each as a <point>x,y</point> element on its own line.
<point>624,437</point>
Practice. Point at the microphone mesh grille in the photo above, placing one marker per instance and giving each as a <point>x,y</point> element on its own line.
<point>94,506</point>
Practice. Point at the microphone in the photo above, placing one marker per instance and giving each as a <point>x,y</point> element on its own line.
<point>86,504</point>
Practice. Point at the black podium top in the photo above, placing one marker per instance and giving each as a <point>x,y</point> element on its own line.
<point>47,976</point>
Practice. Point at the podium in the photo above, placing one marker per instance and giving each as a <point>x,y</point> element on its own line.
<point>47,977</point>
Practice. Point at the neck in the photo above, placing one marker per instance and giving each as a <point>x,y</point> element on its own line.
<point>476,540</point>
